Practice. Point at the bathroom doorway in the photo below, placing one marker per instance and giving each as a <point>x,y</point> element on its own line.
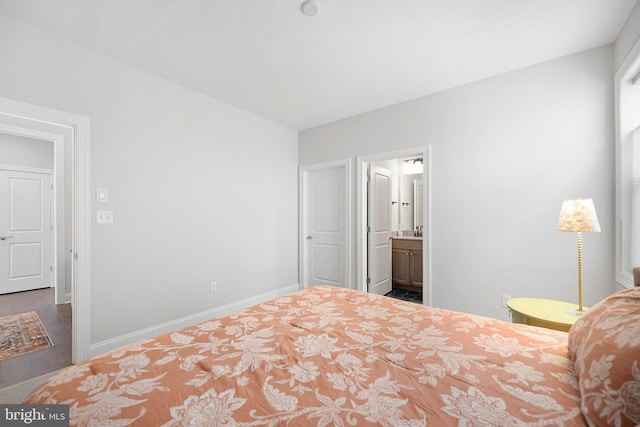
<point>409,230</point>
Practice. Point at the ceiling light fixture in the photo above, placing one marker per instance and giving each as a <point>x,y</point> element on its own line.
<point>310,7</point>
<point>412,166</point>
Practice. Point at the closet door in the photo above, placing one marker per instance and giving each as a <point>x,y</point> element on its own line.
<point>25,231</point>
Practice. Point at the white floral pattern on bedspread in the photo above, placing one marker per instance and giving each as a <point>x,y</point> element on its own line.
<point>605,346</point>
<point>329,357</point>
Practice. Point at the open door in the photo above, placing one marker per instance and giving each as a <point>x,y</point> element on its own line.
<point>379,230</point>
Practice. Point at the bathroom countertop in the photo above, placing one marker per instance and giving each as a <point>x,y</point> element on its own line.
<point>407,237</point>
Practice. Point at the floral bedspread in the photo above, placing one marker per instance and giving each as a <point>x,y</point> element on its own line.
<point>329,357</point>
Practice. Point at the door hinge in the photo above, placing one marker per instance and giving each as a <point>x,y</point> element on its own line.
<point>51,268</point>
<point>368,280</point>
<point>368,229</point>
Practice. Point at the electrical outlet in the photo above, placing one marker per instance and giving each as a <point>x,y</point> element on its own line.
<point>505,298</point>
<point>104,217</point>
<point>214,287</point>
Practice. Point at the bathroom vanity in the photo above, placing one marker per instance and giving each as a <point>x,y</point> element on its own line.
<point>406,263</point>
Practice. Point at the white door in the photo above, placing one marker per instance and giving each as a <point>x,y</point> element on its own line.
<point>25,231</point>
<point>379,236</point>
<point>325,227</point>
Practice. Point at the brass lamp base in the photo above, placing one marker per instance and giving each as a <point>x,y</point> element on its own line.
<point>580,309</point>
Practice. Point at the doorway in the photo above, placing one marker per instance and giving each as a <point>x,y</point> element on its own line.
<point>32,240</point>
<point>419,214</point>
<point>70,135</point>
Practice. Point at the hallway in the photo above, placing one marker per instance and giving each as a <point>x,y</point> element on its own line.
<point>57,322</point>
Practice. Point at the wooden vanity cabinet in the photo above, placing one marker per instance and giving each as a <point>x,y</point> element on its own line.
<point>406,264</point>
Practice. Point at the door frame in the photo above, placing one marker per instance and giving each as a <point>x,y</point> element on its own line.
<point>81,208</point>
<point>362,164</point>
<point>303,196</point>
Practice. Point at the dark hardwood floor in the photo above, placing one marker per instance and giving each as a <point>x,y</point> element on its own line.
<point>56,320</point>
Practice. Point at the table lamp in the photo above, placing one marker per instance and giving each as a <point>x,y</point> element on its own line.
<point>578,215</point>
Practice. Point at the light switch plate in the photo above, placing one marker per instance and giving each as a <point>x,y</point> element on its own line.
<point>102,195</point>
<point>104,217</point>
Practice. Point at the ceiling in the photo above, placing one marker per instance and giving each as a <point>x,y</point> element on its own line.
<point>266,57</point>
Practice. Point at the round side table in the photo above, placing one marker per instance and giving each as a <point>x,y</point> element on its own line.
<point>546,313</point>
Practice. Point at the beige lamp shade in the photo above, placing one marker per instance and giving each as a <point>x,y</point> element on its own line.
<point>578,215</point>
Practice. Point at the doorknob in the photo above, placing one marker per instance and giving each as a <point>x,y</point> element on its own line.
<point>6,237</point>
<point>309,237</point>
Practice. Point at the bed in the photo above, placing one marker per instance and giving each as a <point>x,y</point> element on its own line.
<point>330,356</point>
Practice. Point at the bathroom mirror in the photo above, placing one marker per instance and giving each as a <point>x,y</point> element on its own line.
<point>410,202</point>
<point>406,193</point>
<point>418,203</point>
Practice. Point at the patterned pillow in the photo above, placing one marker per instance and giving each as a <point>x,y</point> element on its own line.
<point>604,345</point>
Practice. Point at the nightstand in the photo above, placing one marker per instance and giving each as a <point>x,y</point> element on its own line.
<point>545,313</point>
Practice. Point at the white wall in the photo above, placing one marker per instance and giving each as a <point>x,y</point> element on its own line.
<point>22,151</point>
<point>506,152</point>
<point>201,191</point>
<point>628,37</point>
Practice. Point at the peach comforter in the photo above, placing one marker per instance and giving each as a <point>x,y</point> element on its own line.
<point>329,357</point>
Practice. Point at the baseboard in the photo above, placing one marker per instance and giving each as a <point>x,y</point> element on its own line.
<point>163,328</point>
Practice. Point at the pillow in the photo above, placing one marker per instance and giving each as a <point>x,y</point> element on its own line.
<point>604,345</point>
